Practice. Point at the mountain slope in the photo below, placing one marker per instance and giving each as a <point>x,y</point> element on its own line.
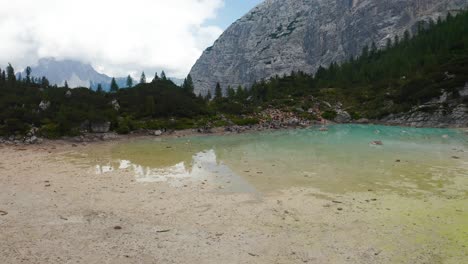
<point>281,36</point>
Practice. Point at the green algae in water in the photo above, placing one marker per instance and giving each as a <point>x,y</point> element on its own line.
<point>420,176</point>
<point>411,161</point>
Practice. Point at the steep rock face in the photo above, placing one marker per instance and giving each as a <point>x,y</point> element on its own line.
<point>280,36</point>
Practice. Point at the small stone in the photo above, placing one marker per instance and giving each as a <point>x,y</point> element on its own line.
<point>117,227</point>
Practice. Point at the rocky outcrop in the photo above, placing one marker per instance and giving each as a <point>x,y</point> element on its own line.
<point>280,36</point>
<point>454,115</point>
<point>446,111</point>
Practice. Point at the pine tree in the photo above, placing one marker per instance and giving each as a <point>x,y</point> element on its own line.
<point>188,84</point>
<point>389,44</point>
<point>114,87</point>
<point>163,76</point>
<point>156,77</point>
<point>44,82</point>
<point>218,92</point>
<point>28,75</point>
<point>66,85</point>
<point>129,81</point>
<point>231,93</point>
<point>143,78</point>
<point>208,96</point>
<point>10,74</point>
<point>99,88</point>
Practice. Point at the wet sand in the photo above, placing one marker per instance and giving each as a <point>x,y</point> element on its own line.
<point>56,211</point>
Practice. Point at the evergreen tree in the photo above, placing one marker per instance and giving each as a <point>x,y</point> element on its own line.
<point>156,77</point>
<point>373,50</point>
<point>218,92</point>
<point>396,41</point>
<point>406,36</point>
<point>163,76</point>
<point>208,96</point>
<point>240,93</point>
<point>99,88</point>
<point>28,75</point>
<point>114,87</point>
<point>66,85</point>
<point>188,84</point>
<point>231,93</point>
<point>143,78</point>
<point>10,74</point>
<point>44,82</point>
<point>129,81</point>
<point>389,44</point>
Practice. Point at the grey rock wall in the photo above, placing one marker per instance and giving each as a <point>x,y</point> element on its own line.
<point>280,36</point>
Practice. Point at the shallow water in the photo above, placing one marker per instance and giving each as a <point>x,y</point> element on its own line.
<point>411,161</point>
<point>413,189</point>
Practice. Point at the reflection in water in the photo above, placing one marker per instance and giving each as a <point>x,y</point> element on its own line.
<point>204,166</point>
<point>410,161</point>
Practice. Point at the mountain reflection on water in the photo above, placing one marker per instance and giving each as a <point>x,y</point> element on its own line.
<point>342,159</point>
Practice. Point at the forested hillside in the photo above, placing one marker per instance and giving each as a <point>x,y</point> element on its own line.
<point>408,72</point>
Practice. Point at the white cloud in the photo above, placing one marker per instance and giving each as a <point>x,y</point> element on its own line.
<point>115,36</point>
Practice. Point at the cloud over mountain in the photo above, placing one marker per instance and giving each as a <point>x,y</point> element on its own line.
<point>116,36</point>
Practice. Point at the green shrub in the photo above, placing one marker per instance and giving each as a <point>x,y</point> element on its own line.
<point>245,121</point>
<point>329,115</point>
<point>50,130</point>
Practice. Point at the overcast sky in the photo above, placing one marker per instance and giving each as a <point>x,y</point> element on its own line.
<point>117,37</point>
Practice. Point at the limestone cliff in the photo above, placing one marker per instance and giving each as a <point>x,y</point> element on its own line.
<point>280,36</point>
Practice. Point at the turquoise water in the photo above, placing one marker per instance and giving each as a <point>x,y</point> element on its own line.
<point>411,161</point>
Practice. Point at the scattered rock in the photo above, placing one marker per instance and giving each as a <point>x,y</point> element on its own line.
<point>117,227</point>
<point>44,105</point>
<point>455,157</point>
<point>157,133</point>
<point>163,231</point>
<point>2,213</point>
<point>377,143</point>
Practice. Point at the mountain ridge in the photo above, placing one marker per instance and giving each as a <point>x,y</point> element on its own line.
<point>76,73</point>
<point>278,37</point>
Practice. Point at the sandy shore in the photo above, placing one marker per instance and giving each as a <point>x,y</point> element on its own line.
<point>56,211</point>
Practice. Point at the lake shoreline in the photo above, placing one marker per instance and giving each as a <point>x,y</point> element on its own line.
<point>93,138</point>
<point>55,206</point>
